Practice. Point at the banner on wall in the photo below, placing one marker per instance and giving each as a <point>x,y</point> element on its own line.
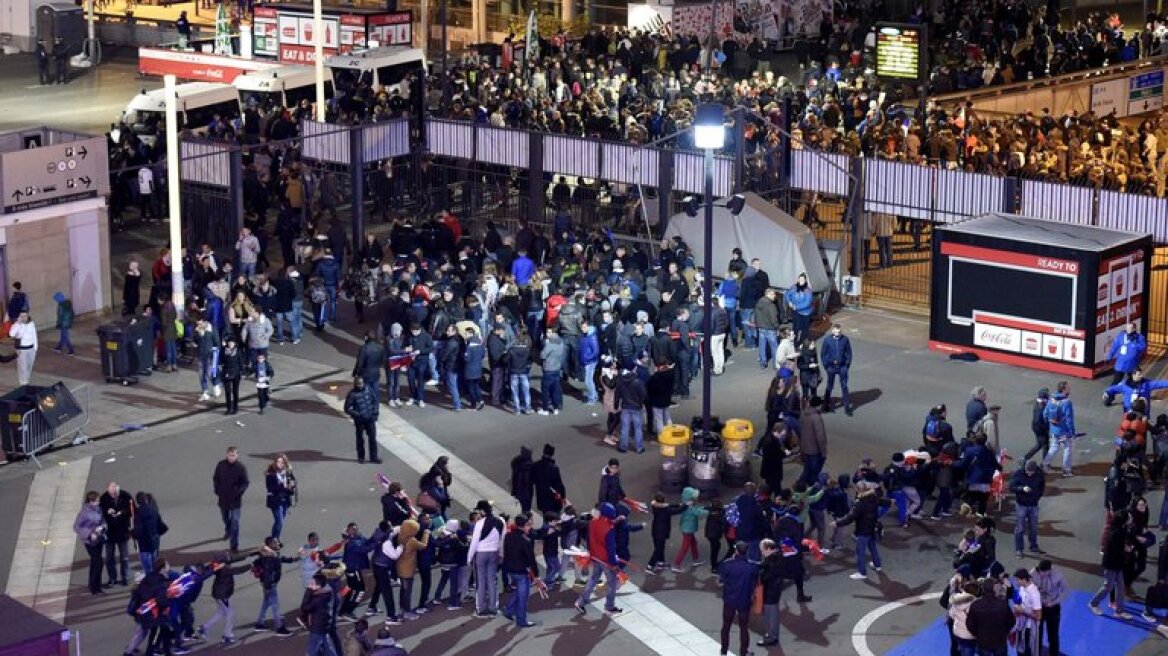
<point>769,20</point>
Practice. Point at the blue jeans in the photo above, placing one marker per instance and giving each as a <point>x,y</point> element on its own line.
<point>451,575</point>
<point>1025,521</point>
<point>247,269</point>
<point>734,321</point>
<point>551,391</point>
<point>393,381</point>
<point>320,644</point>
<point>278,515</point>
<point>271,601</point>
<point>866,543</point>
<point>297,320</point>
<point>330,314</point>
<point>590,395</point>
<point>812,465</point>
<point>281,319</point>
<point>147,559</point>
<point>552,561</point>
<point>231,525</point>
<point>1068,453</point>
<point>205,379</point>
<point>637,419</point>
<point>171,352</point>
<point>64,343</point>
<point>486,564</point>
<point>944,501</point>
<point>521,388</point>
<point>966,647</point>
<point>418,374</point>
<point>990,651</point>
<point>609,588</point>
<point>768,345</point>
<point>1164,512</point>
<point>843,378</point>
<point>521,588</point>
<point>749,332</point>
<point>452,387</point>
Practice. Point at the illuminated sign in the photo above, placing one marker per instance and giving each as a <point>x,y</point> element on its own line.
<point>901,51</point>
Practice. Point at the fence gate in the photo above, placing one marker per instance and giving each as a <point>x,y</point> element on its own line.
<point>211,189</point>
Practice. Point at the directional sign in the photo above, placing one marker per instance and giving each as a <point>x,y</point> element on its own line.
<point>49,175</point>
<point>1145,92</point>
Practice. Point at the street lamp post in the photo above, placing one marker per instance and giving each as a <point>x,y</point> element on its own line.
<point>709,135</point>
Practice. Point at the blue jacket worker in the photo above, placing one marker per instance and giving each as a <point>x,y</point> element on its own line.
<point>1127,349</point>
<point>1135,386</point>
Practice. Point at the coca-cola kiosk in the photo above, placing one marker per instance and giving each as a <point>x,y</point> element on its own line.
<point>1035,293</point>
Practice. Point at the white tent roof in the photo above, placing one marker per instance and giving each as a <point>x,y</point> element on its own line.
<point>785,246</point>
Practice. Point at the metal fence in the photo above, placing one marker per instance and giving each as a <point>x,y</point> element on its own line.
<point>37,434</point>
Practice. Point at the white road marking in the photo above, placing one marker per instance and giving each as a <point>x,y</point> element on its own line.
<point>860,631</point>
<point>644,617</point>
<point>43,559</point>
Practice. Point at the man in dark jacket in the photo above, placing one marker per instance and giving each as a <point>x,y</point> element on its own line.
<point>990,620</point>
<point>836,355</point>
<point>610,484</point>
<point>472,368</point>
<point>865,513</point>
<point>520,567</point>
<point>420,345</point>
<point>316,612</point>
<point>230,482</point>
<point>222,589</point>
<point>549,486</point>
<point>519,370</point>
<point>329,272</point>
<point>282,307</point>
<point>231,371</point>
<point>738,576</point>
<point>771,577</point>
<point>370,362</point>
<point>268,566</point>
<point>630,398</point>
<point>117,508</point>
<point>450,364</point>
<point>1116,552</point>
<point>766,319</point>
<point>754,283</point>
<point>497,359</point>
<point>1028,486</point>
<point>751,520</point>
<point>361,404</point>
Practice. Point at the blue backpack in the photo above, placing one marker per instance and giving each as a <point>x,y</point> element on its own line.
<point>932,425</point>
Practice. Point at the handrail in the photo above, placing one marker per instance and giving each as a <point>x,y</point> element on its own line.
<point>1002,89</point>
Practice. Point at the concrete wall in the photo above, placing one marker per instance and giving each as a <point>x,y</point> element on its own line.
<point>63,248</point>
<point>16,19</point>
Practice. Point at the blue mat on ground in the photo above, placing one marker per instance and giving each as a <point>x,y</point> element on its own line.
<point>1082,632</point>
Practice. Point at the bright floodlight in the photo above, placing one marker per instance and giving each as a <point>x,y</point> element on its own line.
<point>709,129</point>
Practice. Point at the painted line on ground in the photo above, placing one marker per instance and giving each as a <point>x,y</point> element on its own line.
<point>645,618</point>
<point>860,631</point>
<point>42,562</point>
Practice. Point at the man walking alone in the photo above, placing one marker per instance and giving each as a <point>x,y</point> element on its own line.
<point>362,406</point>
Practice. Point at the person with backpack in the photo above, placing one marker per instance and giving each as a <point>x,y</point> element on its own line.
<point>1039,425</point>
<point>1060,415</point>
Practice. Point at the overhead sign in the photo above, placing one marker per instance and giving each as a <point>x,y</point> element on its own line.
<point>196,65</point>
<point>1145,92</point>
<point>901,51</point>
<point>54,174</point>
<point>1109,96</point>
<point>288,35</point>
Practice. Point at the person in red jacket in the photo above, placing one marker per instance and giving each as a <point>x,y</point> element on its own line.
<point>602,550</point>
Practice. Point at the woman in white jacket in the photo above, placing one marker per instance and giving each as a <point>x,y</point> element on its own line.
<point>959,604</point>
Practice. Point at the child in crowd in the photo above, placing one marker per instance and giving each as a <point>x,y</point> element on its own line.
<point>550,534</point>
<point>715,529</point>
<point>690,516</point>
<point>663,513</point>
<point>837,504</point>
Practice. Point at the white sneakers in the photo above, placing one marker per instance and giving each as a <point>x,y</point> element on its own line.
<point>205,397</point>
<point>856,576</point>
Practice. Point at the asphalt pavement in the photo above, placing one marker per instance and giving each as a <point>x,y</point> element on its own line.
<point>894,381</point>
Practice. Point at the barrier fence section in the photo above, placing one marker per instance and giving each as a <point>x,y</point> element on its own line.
<point>826,173</point>
<point>1134,214</point>
<point>38,435</point>
<point>1058,202</point>
<point>211,178</point>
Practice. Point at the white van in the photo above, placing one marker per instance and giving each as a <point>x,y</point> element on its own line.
<point>198,103</point>
<point>387,67</point>
<point>283,86</point>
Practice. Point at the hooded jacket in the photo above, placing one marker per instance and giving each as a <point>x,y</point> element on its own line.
<point>552,354</point>
<point>692,513</point>
<point>663,518</point>
<point>601,539</point>
<point>521,483</point>
<point>589,347</point>
<point>1127,351</point>
<point>1065,427</point>
<point>958,611</point>
<point>317,609</point>
<point>370,361</point>
<point>864,513</point>
<point>545,476</point>
<point>630,392</point>
<point>410,545</point>
<point>751,520</point>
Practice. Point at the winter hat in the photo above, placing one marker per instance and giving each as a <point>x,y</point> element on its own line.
<point>59,297</point>
<point>608,510</point>
<point>395,330</point>
<point>965,571</point>
<point>483,506</point>
<point>451,526</point>
<point>642,316</point>
<point>549,450</point>
<point>618,266</point>
<point>997,570</point>
<point>823,478</point>
<point>897,458</point>
<point>784,373</point>
<point>1044,393</point>
<point>1031,466</point>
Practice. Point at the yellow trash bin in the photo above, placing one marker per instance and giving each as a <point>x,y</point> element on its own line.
<point>674,440</point>
<point>736,436</point>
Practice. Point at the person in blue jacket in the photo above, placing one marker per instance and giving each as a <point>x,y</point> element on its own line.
<point>1134,387</point>
<point>589,346</point>
<point>1060,414</point>
<point>738,575</point>
<point>979,464</point>
<point>329,272</point>
<point>1127,349</point>
<point>835,354</point>
<point>800,299</point>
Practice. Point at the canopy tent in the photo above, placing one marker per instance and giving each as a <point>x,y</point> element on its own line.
<point>785,246</point>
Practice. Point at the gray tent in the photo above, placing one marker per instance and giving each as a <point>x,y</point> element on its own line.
<point>785,246</point>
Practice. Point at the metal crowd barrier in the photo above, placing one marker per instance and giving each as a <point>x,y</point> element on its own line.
<point>37,435</point>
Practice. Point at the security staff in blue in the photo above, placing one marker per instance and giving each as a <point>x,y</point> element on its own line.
<point>1127,349</point>
<point>835,354</point>
<point>1134,387</point>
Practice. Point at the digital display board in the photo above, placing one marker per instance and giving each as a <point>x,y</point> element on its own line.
<point>901,51</point>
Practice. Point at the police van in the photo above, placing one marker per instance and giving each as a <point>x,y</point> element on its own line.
<point>198,103</point>
<point>282,86</point>
<point>388,67</point>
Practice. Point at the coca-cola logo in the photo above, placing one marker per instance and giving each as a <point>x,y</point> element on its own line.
<point>997,337</point>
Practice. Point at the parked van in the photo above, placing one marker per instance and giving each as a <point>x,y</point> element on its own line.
<point>388,67</point>
<point>283,86</point>
<point>198,103</point>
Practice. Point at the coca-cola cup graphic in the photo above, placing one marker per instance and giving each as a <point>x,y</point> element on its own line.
<point>1052,348</point>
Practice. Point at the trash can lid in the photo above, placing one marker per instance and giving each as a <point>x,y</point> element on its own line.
<point>738,429</point>
<point>675,435</point>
